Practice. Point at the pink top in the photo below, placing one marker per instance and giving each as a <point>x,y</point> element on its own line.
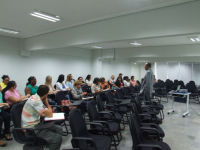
<point>8,94</point>
<point>134,83</point>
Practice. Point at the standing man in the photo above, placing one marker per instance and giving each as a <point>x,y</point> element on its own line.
<point>147,84</point>
<point>37,106</point>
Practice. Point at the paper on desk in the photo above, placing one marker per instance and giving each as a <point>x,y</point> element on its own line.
<point>86,98</point>
<point>56,116</point>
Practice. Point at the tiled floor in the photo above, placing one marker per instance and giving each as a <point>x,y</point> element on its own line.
<point>180,133</point>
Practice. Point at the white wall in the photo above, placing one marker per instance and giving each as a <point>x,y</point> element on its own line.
<point>42,63</point>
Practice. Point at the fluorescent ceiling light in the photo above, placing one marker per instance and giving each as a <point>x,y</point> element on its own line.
<point>136,44</point>
<point>97,47</point>
<point>195,39</point>
<point>9,31</point>
<point>45,16</point>
<point>135,63</point>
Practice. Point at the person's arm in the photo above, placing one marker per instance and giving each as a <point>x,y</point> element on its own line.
<point>110,82</point>
<point>48,110</point>
<point>6,105</point>
<point>15,100</point>
<point>27,91</point>
<point>52,87</point>
<point>67,85</point>
<point>59,86</point>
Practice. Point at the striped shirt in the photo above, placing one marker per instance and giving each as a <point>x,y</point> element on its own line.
<point>31,111</point>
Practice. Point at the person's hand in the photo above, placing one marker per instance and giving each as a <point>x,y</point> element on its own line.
<point>6,106</point>
<point>28,95</point>
<point>84,93</point>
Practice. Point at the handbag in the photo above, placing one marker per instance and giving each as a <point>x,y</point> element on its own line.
<point>66,103</point>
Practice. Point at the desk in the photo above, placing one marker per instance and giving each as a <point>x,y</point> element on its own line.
<point>183,95</point>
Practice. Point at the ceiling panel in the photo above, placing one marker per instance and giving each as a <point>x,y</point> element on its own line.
<point>14,14</point>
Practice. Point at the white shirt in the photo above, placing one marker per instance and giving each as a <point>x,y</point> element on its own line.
<point>59,86</point>
<point>95,88</point>
<point>126,84</point>
<point>88,82</point>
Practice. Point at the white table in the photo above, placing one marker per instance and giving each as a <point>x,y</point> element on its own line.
<point>176,94</point>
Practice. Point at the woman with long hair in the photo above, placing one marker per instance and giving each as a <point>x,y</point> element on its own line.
<point>69,81</point>
<point>88,80</point>
<point>31,87</point>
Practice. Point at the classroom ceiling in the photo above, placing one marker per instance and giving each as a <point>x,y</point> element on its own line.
<point>155,41</point>
<point>14,14</point>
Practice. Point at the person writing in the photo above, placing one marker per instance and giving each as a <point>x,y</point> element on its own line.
<point>96,88</point>
<point>104,85</point>
<point>31,87</point>
<point>4,119</point>
<point>38,107</point>
<point>5,81</point>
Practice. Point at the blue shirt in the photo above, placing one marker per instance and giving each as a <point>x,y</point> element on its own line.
<point>70,84</point>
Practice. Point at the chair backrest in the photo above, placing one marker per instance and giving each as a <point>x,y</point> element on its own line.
<point>86,88</point>
<point>119,94</point>
<point>77,124</point>
<point>190,87</point>
<point>176,81</point>
<point>168,84</point>
<point>125,91</point>
<point>110,97</point>
<point>135,111</point>
<point>132,89</point>
<point>138,105</point>
<point>59,97</point>
<point>135,131</point>
<point>70,95</point>
<point>92,111</point>
<point>100,104</point>
<point>181,83</point>
<point>161,84</point>
<point>19,135</point>
<point>138,82</point>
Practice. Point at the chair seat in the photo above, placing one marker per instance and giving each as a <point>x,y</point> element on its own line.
<point>163,145</point>
<point>102,142</point>
<point>121,109</point>
<point>114,127</point>
<point>157,120</point>
<point>118,117</point>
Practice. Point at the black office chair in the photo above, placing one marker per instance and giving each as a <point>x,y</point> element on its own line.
<point>150,124</point>
<point>138,141</point>
<point>31,142</point>
<point>111,114</point>
<point>181,83</point>
<point>111,129</point>
<point>194,93</point>
<point>80,135</point>
<point>113,105</point>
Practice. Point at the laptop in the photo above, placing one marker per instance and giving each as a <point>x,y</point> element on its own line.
<point>178,88</point>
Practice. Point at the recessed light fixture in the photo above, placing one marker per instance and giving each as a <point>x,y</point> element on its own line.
<point>45,16</point>
<point>99,47</point>
<point>9,30</point>
<point>136,44</point>
<point>195,39</point>
<point>135,63</point>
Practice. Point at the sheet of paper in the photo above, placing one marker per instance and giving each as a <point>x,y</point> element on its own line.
<point>86,98</point>
<point>56,116</point>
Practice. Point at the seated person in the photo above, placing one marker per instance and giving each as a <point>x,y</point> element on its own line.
<point>5,81</point>
<point>12,95</point>
<point>81,80</point>
<point>36,107</point>
<point>69,82</point>
<point>31,87</point>
<point>104,85</point>
<point>112,82</point>
<point>52,91</point>
<point>88,80</point>
<point>126,81</point>
<point>119,83</point>
<point>77,94</point>
<point>61,86</point>
<point>4,119</point>
<point>96,88</point>
<point>133,82</point>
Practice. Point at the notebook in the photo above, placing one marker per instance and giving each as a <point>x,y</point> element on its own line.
<point>56,116</point>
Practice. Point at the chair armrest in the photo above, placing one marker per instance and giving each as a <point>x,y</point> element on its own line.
<point>149,145</point>
<point>83,138</point>
<point>146,115</point>
<point>110,105</point>
<point>127,97</point>
<point>111,114</point>
<point>103,123</point>
<point>153,125</point>
<point>151,129</point>
<point>97,124</point>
